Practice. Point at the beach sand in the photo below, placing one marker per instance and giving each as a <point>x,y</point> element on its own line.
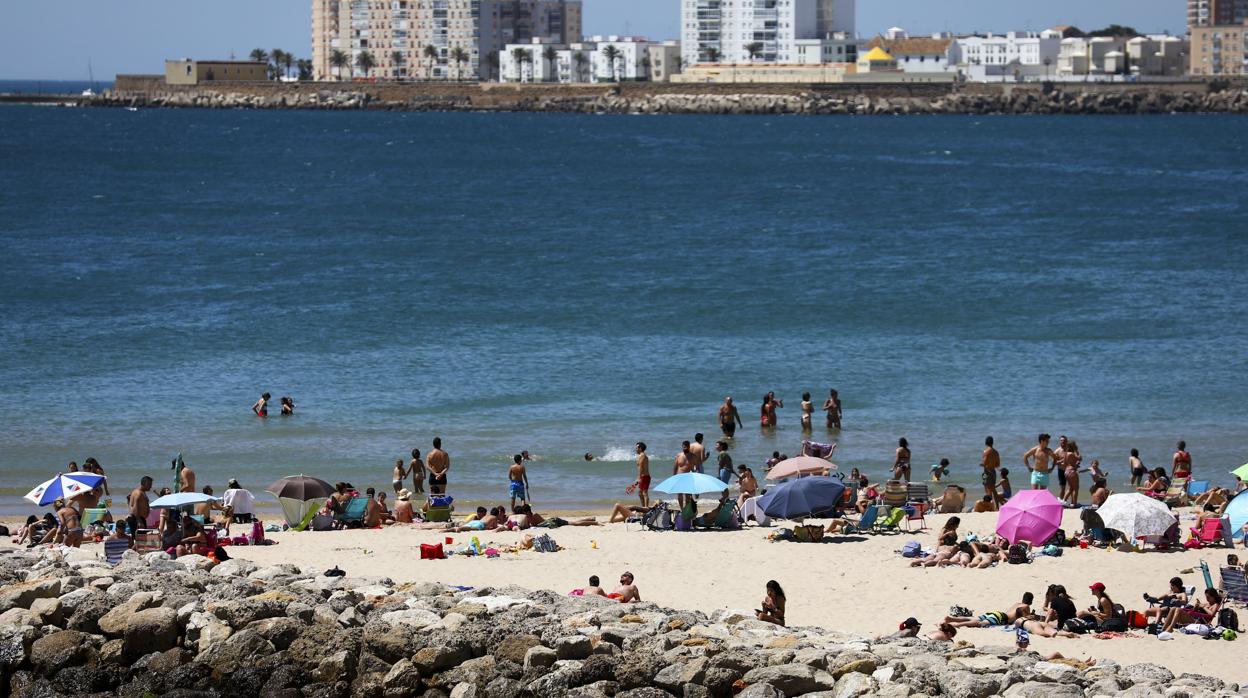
<point>858,584</point>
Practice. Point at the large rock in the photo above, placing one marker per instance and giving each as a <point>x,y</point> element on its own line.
<point>279,631</point>
<point>403,680</point>
<point>241,613</point>
<point>151,630</point>
<point>23,594</point>
<point>48,610</point>
<point>15,643</point>
<point>1041,689</point>
<point>676,675</point>
<point>852,685</point>
<point>1055,672</point>
<point>513,647</point>
<point>761,690</point>
<point>968,684</point>
<point>792,679</point>
<point>194,562</point>
<point>418,619</point>
<point>539,658</point>
<point>432,660</point>
<point>115,621</point>
<point>573,647</point>
<point>60,649</point>
<point>1146,672</point>
<point>238,651</point>
<point>234,567</point>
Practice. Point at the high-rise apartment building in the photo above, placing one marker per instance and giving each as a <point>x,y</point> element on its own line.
<point>739,31</point>
<point>1209,13</point>
<point>432,39</point>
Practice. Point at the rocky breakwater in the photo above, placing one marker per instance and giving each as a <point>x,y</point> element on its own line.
<point>613,101</point>
<point>154,626</point>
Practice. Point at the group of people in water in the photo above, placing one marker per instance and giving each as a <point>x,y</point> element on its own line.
<point>730,417</point>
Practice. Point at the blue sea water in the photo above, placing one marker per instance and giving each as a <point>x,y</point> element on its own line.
<point>565,284</point>
<point>59,87</point>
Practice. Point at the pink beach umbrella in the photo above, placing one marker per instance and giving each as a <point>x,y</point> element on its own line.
<point>1030,515</point>
<point>799,466</point>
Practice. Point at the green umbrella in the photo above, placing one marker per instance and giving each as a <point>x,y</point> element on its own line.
<point>1241,472</point>
<point>178,465</point>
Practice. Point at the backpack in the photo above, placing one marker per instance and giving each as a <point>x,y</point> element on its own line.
<point>1227,618</point>
<point>659,518</point>
<point>1079,626</point>
<point>545,544</point>
<point>1059,538</point>
<point>911,549</point>
<point>1017,555</point>
<point>960,612</point>
<point>1135,619</point>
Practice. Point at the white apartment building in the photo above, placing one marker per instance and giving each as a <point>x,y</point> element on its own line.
<point>837,48</point>
<point>1085,57</point>
<point>400,34</point>
<point>600,59</point>
<point>1023,48</point>
<point>1157,55</point>
<point>743,31</point>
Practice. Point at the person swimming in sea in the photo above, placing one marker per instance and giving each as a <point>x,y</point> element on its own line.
<point>261,408</point>
<point>288,406</point>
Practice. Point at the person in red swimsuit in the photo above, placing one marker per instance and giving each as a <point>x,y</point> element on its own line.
<point>1181,466</point>
<point>261,408</point>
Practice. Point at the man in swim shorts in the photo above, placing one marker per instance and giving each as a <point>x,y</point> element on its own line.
<point>643,475</point>
<point>439,463</point>
<point>1039,460</point>
<point>990,460</point>
<point>729,418</point>
<point>518,480</point>
<point>996,618</point>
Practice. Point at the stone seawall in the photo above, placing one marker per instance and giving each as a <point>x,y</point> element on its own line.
<point>70,624</point>
<point>648,98</point>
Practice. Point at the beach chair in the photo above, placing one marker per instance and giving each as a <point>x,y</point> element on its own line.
<point>751,508</point>
<point>147,540</point>
<point>1176,495</point>
<point>114,550</point>
<point>1196,487</point>
<point>895,494</point>
<point>91,516</point>
<point>353,512</point>
<point>1209,533</point>
<point>892,522</point>
<point>659,518</point>
<point>728,518</point>
<point>914,512</point>
<point>864,523</point>
<point>1235,584</point>
<point>918,492</point>
<point>199,518</point>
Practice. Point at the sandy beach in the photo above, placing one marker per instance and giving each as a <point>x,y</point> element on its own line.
<point>857,584</point>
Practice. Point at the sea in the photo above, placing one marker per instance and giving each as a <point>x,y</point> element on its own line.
<point>573,284</point>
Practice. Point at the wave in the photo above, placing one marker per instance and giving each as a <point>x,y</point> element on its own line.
<point>618,454</point>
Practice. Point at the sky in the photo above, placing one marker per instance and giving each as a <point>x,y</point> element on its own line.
<point>58,39</point>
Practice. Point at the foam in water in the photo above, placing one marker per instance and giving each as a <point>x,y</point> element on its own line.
<point>618,454</point>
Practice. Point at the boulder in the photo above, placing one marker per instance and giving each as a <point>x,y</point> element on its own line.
<point>676,675</point>
<point>243,612</point>
<point>969,684</point>
<point>150,630</point>
<point>418,619</point>
<point>23,594</point>
<point>114,622</point>
<point>792,679</point>
<point>70,601</point>
<point>239,650</point>
<point>273,572</point>
<point>60,649</point>
<point>1055,672</point>
<point>1042,689</point>
<point>538,658</point>
<point>194,562</point>
<point>402,680</point>
<point>48,611</point>
<point>573,647</point>
<point>279,631</point>
<point>852,685</point>
<point>234,567</point>
<point>761,690</point>
<point>1146,672</point>
<point>339,666</point>
<point>432,660</point>
<point>15,643</point>
<point>982,664</point>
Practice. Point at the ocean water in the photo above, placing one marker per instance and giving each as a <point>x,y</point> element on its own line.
<point>60,87</point>
<point>570,284</point>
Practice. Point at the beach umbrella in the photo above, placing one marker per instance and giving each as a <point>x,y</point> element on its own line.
<point>807,496</point>
<point>1135,515</point>
<point>799,466</point>
<point>1030,515</point>
<point>182,499</point>
<point>1237,512</point>
<point>64,486</point>
<point>178,466</point>
<point>1241,472</point>
<point>299,495</point>
<point>691,483</point>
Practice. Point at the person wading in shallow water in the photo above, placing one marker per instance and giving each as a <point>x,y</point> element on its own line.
<point>439,463</point>
<point>729,418</point>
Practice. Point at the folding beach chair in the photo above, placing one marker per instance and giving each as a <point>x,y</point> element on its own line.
<point>90,516</point>
<point>147,540</point>
<point>1209,533</point>
<point>353,512</point>
<point>1176,495</point>
<point>1235,584</point>
<point>728,518</point>
<point>891,523</point>
<point>1197,487</point>
<point>918,492</point>
<point>114,549</point>
<point>864,523</point>
<point>914,512</point>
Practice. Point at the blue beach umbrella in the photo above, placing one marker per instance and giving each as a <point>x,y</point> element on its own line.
<point>1237,512</point>
<point>691,483</point>
<point>181,499</point>
<point>807,496</point>
<point>64,486</point>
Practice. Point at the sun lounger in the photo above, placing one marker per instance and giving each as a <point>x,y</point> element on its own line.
<point>114,549</point>
<point>90,516</point>
<point>1176,495</point>
<point>353,512</point>
<point>1234,584</point>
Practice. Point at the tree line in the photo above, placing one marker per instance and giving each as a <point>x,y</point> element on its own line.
<point>283,63</point>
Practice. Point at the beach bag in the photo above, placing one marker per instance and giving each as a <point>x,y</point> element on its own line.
<point>432,552</point>
<point>1135,619</point>
<point>960,612</point>
<point>322,522</point>
<point>1117,624</point>
<point>1058,539</point>
<point>911,549</point>
<point>1227,618</point>
<point>1017,555</point>
<point>257,532</point>
<point>1079,626</point>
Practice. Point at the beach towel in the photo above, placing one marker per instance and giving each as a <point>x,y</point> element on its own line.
<point>911,549</point>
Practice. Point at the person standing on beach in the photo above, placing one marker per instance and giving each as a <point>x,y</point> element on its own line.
<point>683,464</point>
<point>697,453</point>
<point>729,418</point>
<point>261,408</point>
<point>990,460</point>
<point>901,461</point>
<point>1070,464</point>
<point>186,479</point>
<point>1038,461</point>
<point>518,481</point>
<point>399,474</point>
<point>71,523</point>
<point>137,501</point>
<point>833,407</point>
<point>1059,458</point>
<point>439,462</point>
<point>1181,464</point>
<point>643,475</point>
<point>416,468</point>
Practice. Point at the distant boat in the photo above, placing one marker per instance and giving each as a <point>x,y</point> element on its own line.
<point>90,91</point>
<point>132,108</point>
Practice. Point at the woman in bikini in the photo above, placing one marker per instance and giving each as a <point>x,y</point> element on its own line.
<point>1071,466</point>
<point>773,605</point>
<point>833,407</point>
<point>808,411</point>
<point>1203,612</point>
<point>765,412</point>
<point>1181,464</point>
<point>901,461</point>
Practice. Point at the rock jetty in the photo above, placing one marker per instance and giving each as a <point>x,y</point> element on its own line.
<point>72,625</point>
<point>1056,100</point>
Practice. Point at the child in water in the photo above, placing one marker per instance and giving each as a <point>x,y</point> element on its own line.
<point>261,408</point>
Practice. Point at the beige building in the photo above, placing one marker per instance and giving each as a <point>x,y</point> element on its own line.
<point>1219,50</point>
<point>189,72</point>
<point>401,34</point>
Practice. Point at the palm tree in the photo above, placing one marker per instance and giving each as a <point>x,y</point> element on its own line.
<point>339,60</point>
<point>645,65</point>
<point>275,64</point>
<point>580,59</point>
<point>431,53</point>
<point>754,49</point>
<point>517,57</point>
<point>366,62</point>
<point>551,54</point>
<point>611,53</point>
<point>305,68</point>
<point>396,59</point>
<point>288,60</point>
<point>260,55</point>
<point>712,54</point>
<point>460,56</point>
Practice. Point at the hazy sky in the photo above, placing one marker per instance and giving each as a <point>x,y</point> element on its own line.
<point>55,39</point>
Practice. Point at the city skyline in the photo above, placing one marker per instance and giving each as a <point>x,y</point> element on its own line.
<point>57,39</point>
